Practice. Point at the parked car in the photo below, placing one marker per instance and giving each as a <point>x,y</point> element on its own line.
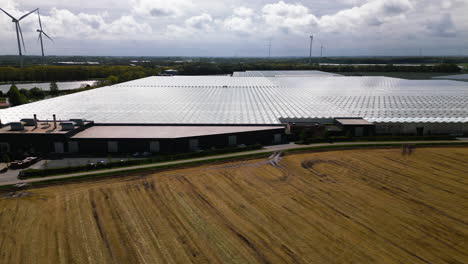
<point>26,162</point>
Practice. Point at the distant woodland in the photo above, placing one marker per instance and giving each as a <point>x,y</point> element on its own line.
<point>72,73</point>
<point>126,73</point>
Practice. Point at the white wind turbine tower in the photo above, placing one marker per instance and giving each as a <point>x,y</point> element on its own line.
<point>310,48</point>
<point>19,33</point>
<point>41,32</point>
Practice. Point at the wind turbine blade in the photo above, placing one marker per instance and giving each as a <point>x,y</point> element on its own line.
<point>38,37</point>
<point>21,34</point>
<point>47,36</point>
<point>40,24</point>
<point>8,14</point>
<point>28,14</point>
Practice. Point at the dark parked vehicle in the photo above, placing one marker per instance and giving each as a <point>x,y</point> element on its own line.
<point>21,164</point>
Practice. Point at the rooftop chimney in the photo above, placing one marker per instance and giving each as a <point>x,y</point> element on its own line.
<point>55,122</point>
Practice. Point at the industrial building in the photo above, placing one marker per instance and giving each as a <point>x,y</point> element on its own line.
<point>186,113</point>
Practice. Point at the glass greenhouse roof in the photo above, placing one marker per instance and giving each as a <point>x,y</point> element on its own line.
<point>256,100</point>
<point>283,73</point>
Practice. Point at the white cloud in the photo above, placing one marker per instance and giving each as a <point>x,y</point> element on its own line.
<point>65,24</point>
<point>161,8</point>
<point>371,14</point>
<point>243,12</point>
<point>203,21</point>
<point>237,24</point>
<point>192,26</point>
<point>361,24</point>
<point>443,27</point>
<point>287,18</point>
<point>127,25</point>
<point>241,21</point>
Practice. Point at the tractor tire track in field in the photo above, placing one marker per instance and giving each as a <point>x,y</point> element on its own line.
<point>352,206</point>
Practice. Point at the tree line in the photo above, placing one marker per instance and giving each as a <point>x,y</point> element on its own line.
<point>23,96</point>
<point>126,73</point>
<point>204,68</point>
<point>155,61</point>
<point>73,73</point>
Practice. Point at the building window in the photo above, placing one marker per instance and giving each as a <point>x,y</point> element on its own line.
<point>73,147</point>
<point>193,144</point>
<point>58,147</point>
<point>232,140</point>
<point>154,146</point>
<point>277,139</point>
<point>358,131</point>
<point>112,146</point>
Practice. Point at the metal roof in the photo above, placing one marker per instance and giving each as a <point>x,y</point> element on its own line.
<point>283,73</point>
<point>453,77</point>
<point>353,121</point>
<point>166,131</point>
<point>256,100</point>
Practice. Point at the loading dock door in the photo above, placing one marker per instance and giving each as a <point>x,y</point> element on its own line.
<point>277,139</point>
<point>193,144</point>
<point>112,146</point>
<point>358,131</point>
<point>4,147</point>
<point>58,147</point>
<point>73,147</point>
<point>154,146</point>
<point>232,140</point>
<point>420,131</point>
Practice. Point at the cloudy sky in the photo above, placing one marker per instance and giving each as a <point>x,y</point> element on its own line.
<point>240,27</point>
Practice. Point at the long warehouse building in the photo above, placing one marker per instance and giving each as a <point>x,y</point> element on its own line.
<point>254,101</point>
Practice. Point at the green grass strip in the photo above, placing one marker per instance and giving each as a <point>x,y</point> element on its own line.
<point>231,158</point>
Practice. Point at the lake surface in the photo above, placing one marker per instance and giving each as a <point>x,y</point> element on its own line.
<point>46,86</point>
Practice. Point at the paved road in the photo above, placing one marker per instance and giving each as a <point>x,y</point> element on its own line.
<point>12,175</point>
<point>264,150</point>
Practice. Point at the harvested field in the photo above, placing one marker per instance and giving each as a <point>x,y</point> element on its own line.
<point>362,206</point>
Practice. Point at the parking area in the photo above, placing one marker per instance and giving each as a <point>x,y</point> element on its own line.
<point>12,174</point>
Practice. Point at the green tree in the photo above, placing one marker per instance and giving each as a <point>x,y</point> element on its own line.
<point>54,90</point>
<point>25,92</point>
<point>36,93</point>
<point>112,79</point>
<point>15,97</point>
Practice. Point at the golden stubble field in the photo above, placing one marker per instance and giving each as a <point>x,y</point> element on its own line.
<point>362,206</point>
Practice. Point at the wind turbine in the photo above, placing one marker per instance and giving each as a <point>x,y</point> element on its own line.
<point>19,32</point>
<point>310,48</point>
<point>269,49</point>
<point>41,32</point>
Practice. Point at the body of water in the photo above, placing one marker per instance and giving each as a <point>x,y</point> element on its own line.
<point>46,86</point>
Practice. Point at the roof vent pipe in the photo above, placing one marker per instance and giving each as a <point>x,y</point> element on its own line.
<point>35,120</point>
<point>55,122</point>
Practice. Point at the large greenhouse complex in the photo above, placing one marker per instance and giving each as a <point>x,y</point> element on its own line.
<point>243,108</point>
